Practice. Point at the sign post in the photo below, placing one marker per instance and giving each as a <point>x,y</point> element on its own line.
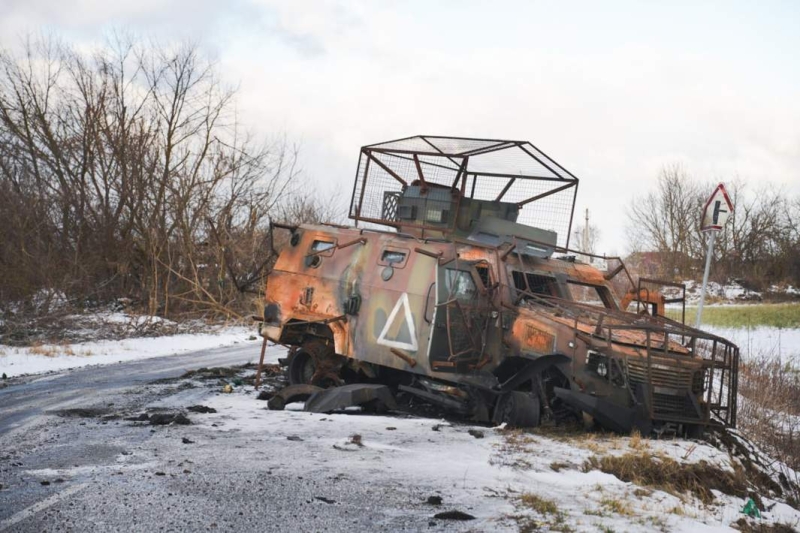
<point>715,214</point>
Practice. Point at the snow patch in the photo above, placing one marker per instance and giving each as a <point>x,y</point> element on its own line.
<point>15,361</point>
<point>763,341</point>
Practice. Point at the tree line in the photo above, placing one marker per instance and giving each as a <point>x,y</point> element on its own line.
<point>125,173</point>
<point>759,245</point>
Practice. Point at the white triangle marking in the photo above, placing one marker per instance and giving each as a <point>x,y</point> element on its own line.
<point>412,346</point>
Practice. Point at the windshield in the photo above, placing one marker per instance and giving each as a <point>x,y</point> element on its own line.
<point>597,295</point>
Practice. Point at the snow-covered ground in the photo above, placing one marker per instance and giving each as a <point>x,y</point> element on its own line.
<point>491,477</point>
<point>763,341</point>
<point>16,361</point>
<point>727,293</point>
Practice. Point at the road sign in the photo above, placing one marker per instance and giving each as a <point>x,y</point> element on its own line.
<point>715,214</point>
<point>717,209</point>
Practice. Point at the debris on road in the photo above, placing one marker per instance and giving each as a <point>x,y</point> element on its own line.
<point>454,515</point>
<point>368,395</point>
<point>201,409</point>
<point>265,395</point>
<point>187,441</point>
<point>165,419</point>
<point>434,500</point>
<point>478,434</point>
<point>291,394</point>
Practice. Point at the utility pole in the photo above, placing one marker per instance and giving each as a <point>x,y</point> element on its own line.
<point>586,237</point>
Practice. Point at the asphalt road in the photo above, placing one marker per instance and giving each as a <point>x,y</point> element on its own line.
<point>69,461</point>
<point>23,403</point>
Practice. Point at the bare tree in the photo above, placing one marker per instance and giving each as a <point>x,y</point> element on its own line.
<point>666,220</point>
<point>759,244</point>
<point>124,172</point>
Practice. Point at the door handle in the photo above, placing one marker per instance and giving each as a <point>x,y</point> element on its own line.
<point>427,299</point>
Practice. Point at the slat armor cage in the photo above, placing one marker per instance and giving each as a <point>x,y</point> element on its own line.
<point>422,181</point>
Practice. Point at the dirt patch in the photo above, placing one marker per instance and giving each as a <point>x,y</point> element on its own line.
<point>217,372</point>
<point>83,412</point>
<point>759,469</point>
<point>747,526</point>
<point>234,374</point>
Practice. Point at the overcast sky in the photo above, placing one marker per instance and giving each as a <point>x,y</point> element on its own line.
<point>612,91</point>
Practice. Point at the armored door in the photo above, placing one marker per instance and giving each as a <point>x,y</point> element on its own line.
<point>462,318</point>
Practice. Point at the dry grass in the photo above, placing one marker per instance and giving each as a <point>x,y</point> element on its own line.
<point>512,451</point>
<point>50,350</point>
<point>616,506</point>
<point>746,526</point>
<point>536,503</point>
<point>663,473</point>
<point>595,442</point>
<point>770,412</point>
<point>636,441</point>
<point>553,518</point>
<point>678,510</point>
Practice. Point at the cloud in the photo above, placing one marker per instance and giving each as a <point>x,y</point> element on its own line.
<point>90,19</point>
<point>613,95</point>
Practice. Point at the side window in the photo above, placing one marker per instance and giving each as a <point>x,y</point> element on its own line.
<point>393,257</point>
<point>323,247</point>
<point>460,285</point>
<point>534,283</point>
<point>485,275</point>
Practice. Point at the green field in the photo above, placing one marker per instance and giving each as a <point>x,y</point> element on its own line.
<point>743,316</point>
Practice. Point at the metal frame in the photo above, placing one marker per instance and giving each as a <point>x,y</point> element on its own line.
<point>724,355</point>
<point>611,326</point>
<point>561,178</point>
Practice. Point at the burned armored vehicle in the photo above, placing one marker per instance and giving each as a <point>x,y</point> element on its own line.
<point>457,285</point>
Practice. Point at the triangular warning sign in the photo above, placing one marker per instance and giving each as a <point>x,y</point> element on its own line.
<point>717,209</point>
<point>399,330</point>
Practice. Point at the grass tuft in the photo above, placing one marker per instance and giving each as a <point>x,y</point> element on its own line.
<point>541,505</point>
<point>742,316</point>
<point>616,506</point>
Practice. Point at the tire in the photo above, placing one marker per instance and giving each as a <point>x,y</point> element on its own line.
<point>302,368</point>
<point>314,364</point>
<point>518,410</point>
